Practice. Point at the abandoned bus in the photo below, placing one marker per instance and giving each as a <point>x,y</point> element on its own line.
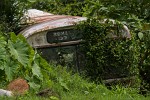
<point>55,38</point>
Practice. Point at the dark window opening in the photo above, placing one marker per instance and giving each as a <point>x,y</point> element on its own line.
<point>69,56</point>
<point>63,36</point>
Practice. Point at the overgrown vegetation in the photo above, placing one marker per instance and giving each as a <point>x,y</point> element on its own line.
<point>18,59</point>
<point>11,12</point>
<point>106,57</point>
<point>109,57</point>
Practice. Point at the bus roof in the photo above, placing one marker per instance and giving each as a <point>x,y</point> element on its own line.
<point>39,21</point>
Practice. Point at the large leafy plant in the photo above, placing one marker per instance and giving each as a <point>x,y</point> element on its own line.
<point>18,59</point>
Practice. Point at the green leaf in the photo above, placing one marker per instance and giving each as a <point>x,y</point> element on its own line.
<point>2,53</point>
<point>13,37</point>
<point>2,41</point>
<point>22,38</point>
<point>140,35</point>
<point>1,65</point>
<point>10,67</point>
<point>34,86</point>
<point>63,84</point>
<point>54,98</point>
<point>31,1</point>
<point>20,51</point>
<point>36,70</point>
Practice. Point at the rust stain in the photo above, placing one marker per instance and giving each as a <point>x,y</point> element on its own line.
<point>41,22</point>
<point>34,16</point>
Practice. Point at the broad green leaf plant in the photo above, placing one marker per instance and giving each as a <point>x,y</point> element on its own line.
<point>18,59</point>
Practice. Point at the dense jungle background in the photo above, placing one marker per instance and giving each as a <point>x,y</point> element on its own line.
<point>105,58</point>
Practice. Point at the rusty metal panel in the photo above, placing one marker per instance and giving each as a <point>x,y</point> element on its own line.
<point>41,22</point>
<point>33,16</point>
<point>52,24</point>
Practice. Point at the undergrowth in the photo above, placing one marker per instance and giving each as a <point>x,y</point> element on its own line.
<point>68,86</point>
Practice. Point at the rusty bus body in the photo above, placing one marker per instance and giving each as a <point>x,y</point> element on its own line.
<point>54,37</point>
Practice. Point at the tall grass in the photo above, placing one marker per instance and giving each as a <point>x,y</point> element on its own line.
<point>68,86</point>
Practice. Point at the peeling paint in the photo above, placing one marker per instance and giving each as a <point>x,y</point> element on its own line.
<point>41,22</point>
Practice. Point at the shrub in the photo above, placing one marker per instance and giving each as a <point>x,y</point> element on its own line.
<point>144,63</point>
<point>108,57</point>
